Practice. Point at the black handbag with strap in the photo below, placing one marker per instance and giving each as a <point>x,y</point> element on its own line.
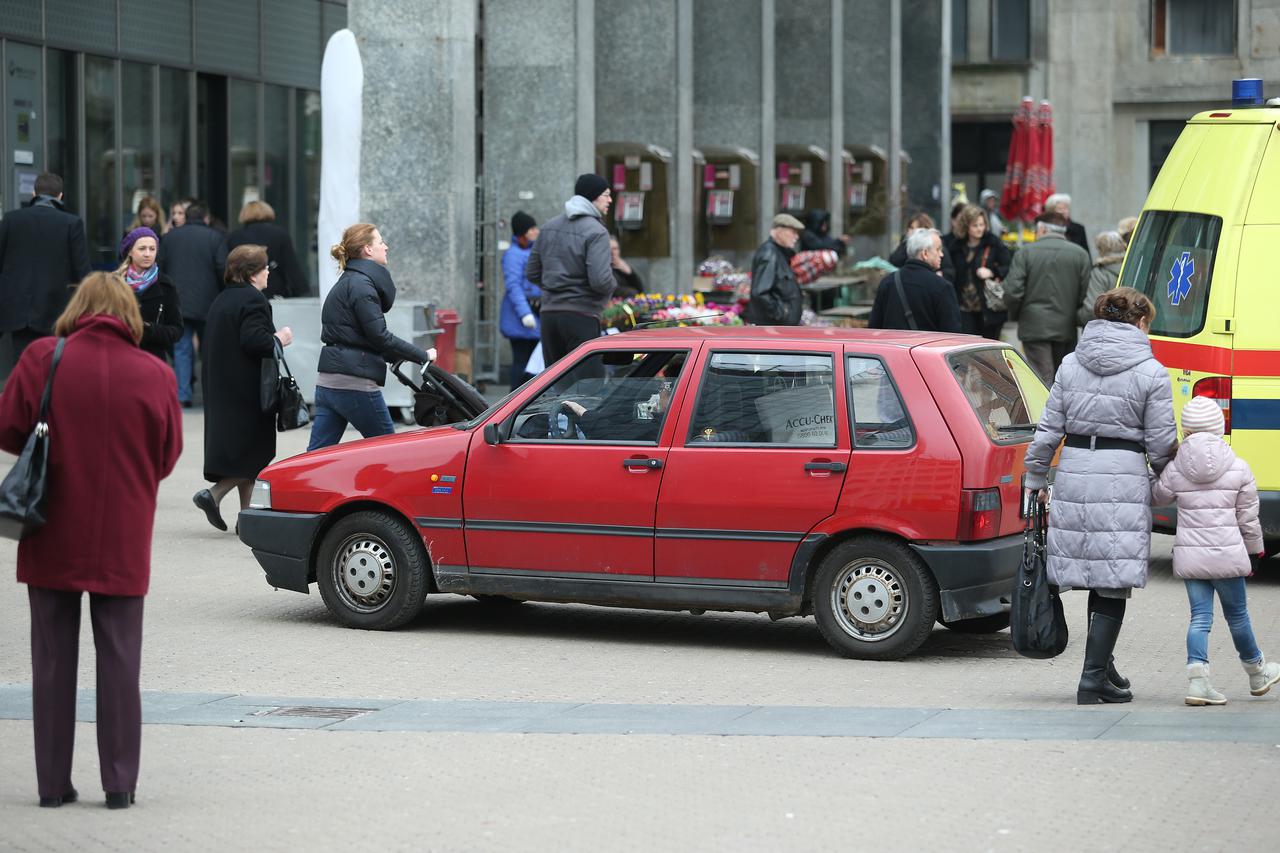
<point>1036,622</point>
<point>25,488</point>
<point>291,409</point>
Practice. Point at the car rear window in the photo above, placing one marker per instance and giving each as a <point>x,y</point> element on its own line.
<point>1004,393</point>
<point>1171,261</point>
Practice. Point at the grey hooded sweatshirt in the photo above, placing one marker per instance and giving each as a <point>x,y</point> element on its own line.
<point>571,261</point>
<point>1100,517</point>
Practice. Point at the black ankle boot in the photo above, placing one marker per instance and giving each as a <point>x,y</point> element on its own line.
<point>1114,676</point>
<point>120,799</point>
<point>54,802</point>
<point>1095,687</point>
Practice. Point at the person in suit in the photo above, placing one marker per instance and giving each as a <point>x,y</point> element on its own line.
<point>43,254</point>
<point>258,227</point>
<point>194,255</point>
<point>239,438</point>
<point>110,401</point>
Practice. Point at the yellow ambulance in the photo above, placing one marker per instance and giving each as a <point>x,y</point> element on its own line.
<point>1207,253</point>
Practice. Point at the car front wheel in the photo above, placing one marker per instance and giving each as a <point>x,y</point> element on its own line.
<point>874,599</point>
<point>372,571</point>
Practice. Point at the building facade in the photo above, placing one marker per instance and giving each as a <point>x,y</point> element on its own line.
<point>216,99</point>
<point>1122,77</point>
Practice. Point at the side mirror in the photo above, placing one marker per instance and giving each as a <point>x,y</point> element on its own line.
<point>491,434</point>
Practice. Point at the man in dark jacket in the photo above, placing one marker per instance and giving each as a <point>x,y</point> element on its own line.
<point>572,263</point>
<point>43,256</point>
<point>931,304</point>
<point>258,227</point>
<point>194,256</point>
<point>776,299</point>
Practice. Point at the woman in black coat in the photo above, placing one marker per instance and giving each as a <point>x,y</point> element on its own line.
<point>156,294</point>
<point>239,438</point>
<point>978,257</point>
<point>258,228</point>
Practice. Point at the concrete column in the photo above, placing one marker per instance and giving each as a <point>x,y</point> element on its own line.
<point>835,171</point>
<point>683,221</point>
<point>418,170</point>
<point>894,201</point>
<point>585,58</point>
<point>768,114</point>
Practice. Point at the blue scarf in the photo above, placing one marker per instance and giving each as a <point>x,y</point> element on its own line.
<point>140,281</point>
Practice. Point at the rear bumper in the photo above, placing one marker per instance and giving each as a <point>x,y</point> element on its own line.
<point>282,543</point>
<point>1165,518</point>
<point>974,578</point>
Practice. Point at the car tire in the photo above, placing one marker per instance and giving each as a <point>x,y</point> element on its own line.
<point>874,599</point>
<point>980,625</point>
<point>372,571</point>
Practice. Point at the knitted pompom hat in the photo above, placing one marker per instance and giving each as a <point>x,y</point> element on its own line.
<point>1202,415</point>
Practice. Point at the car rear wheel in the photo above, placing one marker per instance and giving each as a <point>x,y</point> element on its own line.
<point>874,599</point>
<point>980,625</point>
<point>372,571</point>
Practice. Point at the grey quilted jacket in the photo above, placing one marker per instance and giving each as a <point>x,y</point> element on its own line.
<point>1100,516</point>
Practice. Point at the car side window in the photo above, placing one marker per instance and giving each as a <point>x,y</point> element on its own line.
<point>879,419</point>
<point>766,398</point>
<point>610,396</point>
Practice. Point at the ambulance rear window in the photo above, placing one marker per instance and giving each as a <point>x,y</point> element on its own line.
<point>1171,261</point>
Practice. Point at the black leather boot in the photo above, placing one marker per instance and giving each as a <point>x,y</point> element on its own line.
<point>1113,674</point>
<point>1095,687</point>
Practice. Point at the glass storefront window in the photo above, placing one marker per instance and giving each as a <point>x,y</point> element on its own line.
<point>175,137</point>
<point>308,185</point>
<point>275,177</point>
<point>101,217</point>
<point>62,82</point>
<point>242,139</point>
<point>137,127</point>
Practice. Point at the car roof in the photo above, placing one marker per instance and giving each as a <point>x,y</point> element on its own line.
<point>799,334</point>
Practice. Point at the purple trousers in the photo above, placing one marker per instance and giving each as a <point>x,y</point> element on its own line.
<point>55,653</point>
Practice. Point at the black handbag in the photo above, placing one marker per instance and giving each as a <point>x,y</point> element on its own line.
<point>24,489</point>
<point>291,409</point>
<point>1036,621</point>
<point>269,384</point>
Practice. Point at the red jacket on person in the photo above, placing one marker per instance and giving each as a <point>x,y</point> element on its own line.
<point>115,431</point>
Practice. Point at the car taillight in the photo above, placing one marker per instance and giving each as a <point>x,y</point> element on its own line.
<point>979,514</point>
<point>1217,389</point>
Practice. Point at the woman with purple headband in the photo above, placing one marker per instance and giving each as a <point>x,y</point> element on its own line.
<point>156,294</point>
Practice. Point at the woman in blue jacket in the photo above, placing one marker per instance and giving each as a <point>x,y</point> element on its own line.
<point>519,320</point>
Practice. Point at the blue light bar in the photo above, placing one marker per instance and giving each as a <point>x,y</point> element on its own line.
<point>1246,92</point>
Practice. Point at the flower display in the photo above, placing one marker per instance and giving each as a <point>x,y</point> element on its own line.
<point>655,310</point>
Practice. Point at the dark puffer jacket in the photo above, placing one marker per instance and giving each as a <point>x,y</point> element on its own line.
<point>353,324</point>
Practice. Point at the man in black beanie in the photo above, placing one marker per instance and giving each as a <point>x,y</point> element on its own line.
<point>572,263</point>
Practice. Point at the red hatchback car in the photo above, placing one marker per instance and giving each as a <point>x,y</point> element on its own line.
<point>872,479</point>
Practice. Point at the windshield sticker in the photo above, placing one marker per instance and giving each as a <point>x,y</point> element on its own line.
<point>1180,278</point>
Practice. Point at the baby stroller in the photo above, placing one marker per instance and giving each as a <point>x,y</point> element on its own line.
<point>442,398</point>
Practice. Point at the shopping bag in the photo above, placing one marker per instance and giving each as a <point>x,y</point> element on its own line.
<point>1036,621</point>
<point>25,488</point>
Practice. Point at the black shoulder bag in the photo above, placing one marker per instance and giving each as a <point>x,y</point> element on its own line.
<point>23,492</point>
<point>906,306</point>
<point>291,409</point>
<point>1036,621</point>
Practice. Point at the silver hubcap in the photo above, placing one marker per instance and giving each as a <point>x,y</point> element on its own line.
<point>869,600</point>
<point>365,572</point>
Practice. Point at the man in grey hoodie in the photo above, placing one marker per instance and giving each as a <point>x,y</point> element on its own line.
<point>572,263</point>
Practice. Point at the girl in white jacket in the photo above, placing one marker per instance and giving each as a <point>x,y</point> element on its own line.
<point>1218,532</point>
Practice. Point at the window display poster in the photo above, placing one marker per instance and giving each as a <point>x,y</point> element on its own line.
<point>630,207</point>
<point>792,198</point>
<point>720,204</point>
<point>858,196</point>
<point>646,176</point>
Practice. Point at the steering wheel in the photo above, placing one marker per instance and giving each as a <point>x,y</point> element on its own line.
<point>570,418</point>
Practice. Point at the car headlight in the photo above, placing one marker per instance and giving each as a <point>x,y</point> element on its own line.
<point>260,498</point>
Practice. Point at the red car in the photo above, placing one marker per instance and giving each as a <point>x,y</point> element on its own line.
<point>870,478</point>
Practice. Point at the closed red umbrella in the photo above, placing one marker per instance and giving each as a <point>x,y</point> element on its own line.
<point>1016,167</point>
<point>1038,182</point>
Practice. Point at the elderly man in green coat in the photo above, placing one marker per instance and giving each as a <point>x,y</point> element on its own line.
<point>1046,283</point>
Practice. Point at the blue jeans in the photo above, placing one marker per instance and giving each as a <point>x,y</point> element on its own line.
<point>1234,607</point>
<point>364,410</point>
<point>184,357</point>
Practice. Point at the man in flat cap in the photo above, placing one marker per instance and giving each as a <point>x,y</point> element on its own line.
<point>776,299</point>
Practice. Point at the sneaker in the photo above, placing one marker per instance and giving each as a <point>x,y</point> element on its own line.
<point>1263,675</point>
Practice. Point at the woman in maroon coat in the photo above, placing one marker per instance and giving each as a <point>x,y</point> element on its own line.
<point>115,431</point>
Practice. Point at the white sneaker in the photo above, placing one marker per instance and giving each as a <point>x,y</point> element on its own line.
<point>1200,691</point>
<point>1262,676</point>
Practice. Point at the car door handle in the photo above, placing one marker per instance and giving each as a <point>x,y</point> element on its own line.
<point>645,464</point>
<point>833,467</point>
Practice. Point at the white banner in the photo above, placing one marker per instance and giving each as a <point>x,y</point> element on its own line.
<point>341,119</point>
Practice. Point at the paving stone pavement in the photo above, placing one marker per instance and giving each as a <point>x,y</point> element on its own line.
<point>214,628</point>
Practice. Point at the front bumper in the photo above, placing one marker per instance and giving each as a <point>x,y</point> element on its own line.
<point>1165,518</point>
<point>974,578</point>
<point>282,543</point>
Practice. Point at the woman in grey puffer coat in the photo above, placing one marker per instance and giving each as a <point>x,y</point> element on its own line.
<point>1112,402</point>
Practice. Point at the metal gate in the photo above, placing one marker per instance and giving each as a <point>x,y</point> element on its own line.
<point>486,354</point>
